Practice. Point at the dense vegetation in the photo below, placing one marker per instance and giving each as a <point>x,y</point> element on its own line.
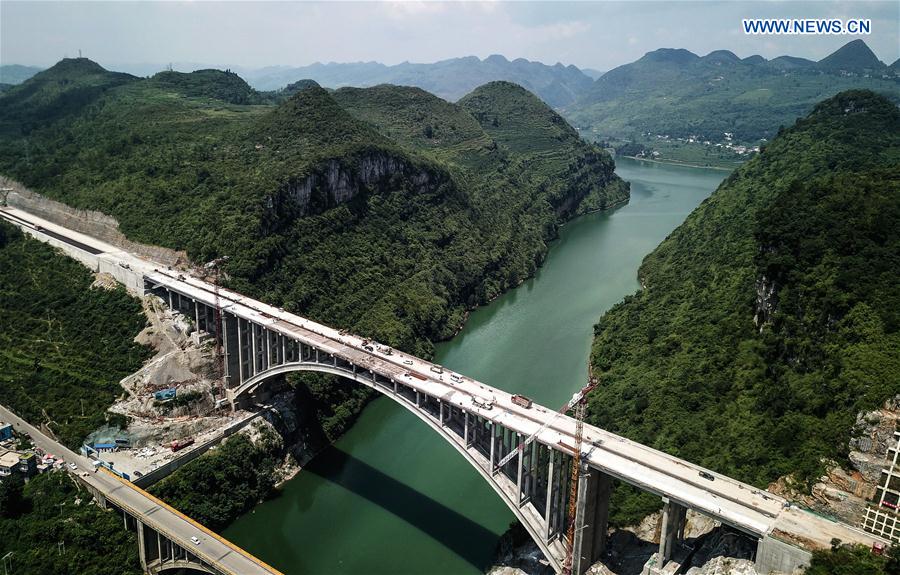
<point>223,484</point>
<point>680,94</point>
<point>63,345</point>
<point>51,527</point>
<point>216,84</point>
<point>853,560</point>
<point>387,211</point>
<point>771,317</point>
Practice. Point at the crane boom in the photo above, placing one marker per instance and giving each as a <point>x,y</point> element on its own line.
<point>576,399</point>
<point>573,490</point>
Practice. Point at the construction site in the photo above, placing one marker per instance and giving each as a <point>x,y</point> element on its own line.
<point>171,402</point>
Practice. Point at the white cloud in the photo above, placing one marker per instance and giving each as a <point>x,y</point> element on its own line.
<point>405,9</point>
<point>559,30</point>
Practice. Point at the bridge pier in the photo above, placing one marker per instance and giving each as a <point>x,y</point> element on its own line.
<point>142,544</point>
<point>591,516</point>
<point>672,529</point>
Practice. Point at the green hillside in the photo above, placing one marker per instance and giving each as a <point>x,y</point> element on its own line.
<point>771,317</point>
<point>546,151</point>
<point>354,217</point>
<point>499,136</point>
<point>855,55</point>
<point>679,94</point>
<point>417,119</point>
<point>67,87</point>
<point>47,527</point>
<point>63,346</point>
<point>225,86</point>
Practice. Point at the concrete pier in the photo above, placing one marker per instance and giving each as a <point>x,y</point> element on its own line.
<point>591,516</point>
<point>672,529</point>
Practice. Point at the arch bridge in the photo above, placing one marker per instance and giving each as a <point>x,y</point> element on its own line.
<point>481,422</point>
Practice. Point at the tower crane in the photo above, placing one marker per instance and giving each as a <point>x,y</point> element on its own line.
<point>575,473</point>
<point>578,403</point>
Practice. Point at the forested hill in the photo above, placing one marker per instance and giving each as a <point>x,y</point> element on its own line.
<point>390,213</point>
<point>680,94</point>
<point>771,316</point>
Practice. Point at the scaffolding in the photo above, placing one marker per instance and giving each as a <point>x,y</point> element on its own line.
<point>883,514</point>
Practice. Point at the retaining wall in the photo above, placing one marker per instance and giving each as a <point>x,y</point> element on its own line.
<point>167,469</point>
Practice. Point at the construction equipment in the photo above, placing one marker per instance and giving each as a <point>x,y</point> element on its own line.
<point>575,474</point>
<point>577,398</point>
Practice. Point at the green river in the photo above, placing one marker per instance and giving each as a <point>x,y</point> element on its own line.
<point>392,497</point>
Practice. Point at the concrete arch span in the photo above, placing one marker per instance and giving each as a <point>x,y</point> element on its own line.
<point>549,537</point>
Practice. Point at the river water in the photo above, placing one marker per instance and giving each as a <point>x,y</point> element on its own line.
<point>390,496</point>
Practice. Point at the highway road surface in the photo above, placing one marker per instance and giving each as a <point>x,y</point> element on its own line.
<point>213,549</point>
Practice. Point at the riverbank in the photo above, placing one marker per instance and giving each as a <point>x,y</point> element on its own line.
<point>672,162</point>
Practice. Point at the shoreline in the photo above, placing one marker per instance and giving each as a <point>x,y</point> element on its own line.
<point>678,163</point>
<point>618,204</point>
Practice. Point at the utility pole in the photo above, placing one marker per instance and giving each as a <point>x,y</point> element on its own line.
<point>7,563</point>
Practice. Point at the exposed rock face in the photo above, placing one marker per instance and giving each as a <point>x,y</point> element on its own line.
<point>846,493</point>
<point>873,434</point>
<point>337,182</point>
<point>725,566</point>
<point>765,301</point>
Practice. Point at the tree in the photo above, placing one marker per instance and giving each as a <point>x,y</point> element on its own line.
<point>12,499</point>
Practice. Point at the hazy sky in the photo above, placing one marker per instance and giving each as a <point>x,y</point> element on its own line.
<point>598,35</point>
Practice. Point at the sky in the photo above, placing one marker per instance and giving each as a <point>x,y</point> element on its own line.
<point>599,35</point>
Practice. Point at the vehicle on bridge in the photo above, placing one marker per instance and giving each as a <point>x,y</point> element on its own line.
<point>521,401</point>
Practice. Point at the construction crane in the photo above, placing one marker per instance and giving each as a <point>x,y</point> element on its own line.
<point>577,397</point>
<point>575,473</point>
<point>215,266</point>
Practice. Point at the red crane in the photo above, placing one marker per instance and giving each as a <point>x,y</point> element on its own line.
<point>575,472</point>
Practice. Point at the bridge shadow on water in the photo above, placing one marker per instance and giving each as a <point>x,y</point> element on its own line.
<point>452,529</point>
